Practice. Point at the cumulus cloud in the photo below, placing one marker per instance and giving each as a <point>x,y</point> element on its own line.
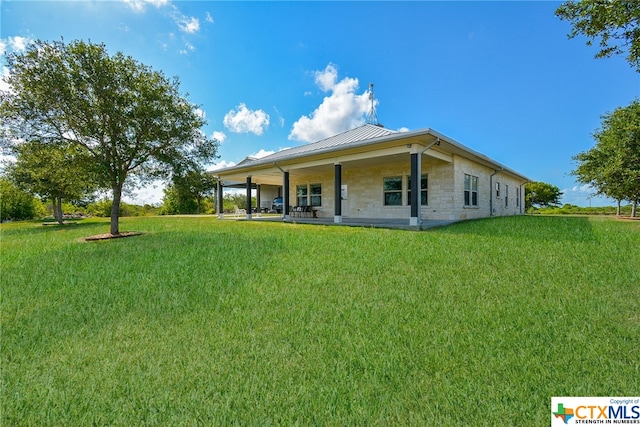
<point>14,44</point>
<point>219,136</point>
<point>221,165</point>
<point>403,129</point>
<point>262,153</point>
<point>342,109</point>
<point>188,24</point>
<point>140,5</point>
<point>243,120</point>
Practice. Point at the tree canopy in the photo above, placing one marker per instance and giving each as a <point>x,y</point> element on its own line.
<point>187,192</point>
<point>612,166</point>
<point>131,120</point>
<point>541,194</point>
<point>56,172</point>
<point>615,22</point>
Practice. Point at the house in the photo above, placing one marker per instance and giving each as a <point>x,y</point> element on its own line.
<point>370,171</point>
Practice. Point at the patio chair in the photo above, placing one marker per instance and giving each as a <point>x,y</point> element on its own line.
<point>239,212</point>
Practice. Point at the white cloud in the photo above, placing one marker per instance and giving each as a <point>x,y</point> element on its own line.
<point>209,18</point>
<point>262,153</point>
<point>139,5</point>
<point>4,86</point>
<point>152,194</point>
<point>188,25</point>
<point>219,136</point>
<point>14,44</point>
<point>221,165</point>
<point>341,110</point>
<point>403,129</point>
<point>244,120</point>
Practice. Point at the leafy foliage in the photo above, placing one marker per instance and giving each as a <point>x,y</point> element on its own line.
<point>15,203</point>
<point>53,171</point>
<point>612,166</point>
<point>615,22</point>
<point>189,193</point>
<point>541,194</point>
<point>131,120</point>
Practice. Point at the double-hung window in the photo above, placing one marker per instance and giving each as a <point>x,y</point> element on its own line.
<point>424,188</point>
<point>309,195</point>
<point>302,192</point>
<point>506,195</point>
<point>470,190</point>
<point>316,194</point>
<point>392,189</point>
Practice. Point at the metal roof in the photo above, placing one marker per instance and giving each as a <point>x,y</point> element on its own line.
<point>363,136</point>
<point>361,133</point>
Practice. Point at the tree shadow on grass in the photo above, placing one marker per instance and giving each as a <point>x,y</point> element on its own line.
<point>529,227</point>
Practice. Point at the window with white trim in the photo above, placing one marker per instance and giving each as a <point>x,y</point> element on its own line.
<point>470,190</point>
<point>315,191</point>
<point>497,190</point>
<point>506,195</point>
<point>424,188</point>
<point>301,195</point>
<point>392,189</point>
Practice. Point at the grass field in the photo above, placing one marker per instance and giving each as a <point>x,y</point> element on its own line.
<point>207,322</point>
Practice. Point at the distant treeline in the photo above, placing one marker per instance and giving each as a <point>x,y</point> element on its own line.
<point>568,209</point>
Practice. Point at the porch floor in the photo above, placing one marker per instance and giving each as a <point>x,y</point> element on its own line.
<point>402,224</point>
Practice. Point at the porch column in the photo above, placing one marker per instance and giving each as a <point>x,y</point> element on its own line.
<point>220,202</point>
<point>337,204</point>
<point>258,207</point>
<point>285,195</point>
<point>415,190</point>
<point>249,197</point>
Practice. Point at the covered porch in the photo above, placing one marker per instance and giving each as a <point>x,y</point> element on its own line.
<point>399,224</point>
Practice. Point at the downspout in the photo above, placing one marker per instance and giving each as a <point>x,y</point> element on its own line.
<point>436,142</point>
<point>522,196</point>
<point>491,190</point>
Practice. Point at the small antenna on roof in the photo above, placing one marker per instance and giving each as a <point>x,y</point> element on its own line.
<point>372,116</point>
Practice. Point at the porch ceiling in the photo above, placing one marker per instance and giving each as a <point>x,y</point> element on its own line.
<point>273,175</point>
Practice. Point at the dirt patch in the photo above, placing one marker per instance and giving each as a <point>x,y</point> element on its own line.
<point>107,236</point>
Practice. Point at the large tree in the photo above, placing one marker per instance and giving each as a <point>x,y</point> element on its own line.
<point>612,166</point>
<point>53,171</point>
<point>615,22</point>
<point>540,193</point>
<point>132,120</point>
<point>187,192</point>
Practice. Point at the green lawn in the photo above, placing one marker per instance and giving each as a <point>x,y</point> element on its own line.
<point>200,321</point>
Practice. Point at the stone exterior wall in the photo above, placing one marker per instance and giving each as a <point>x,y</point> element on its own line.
<point>365,198</point>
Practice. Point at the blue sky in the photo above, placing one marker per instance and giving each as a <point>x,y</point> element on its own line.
<point>499,77</point>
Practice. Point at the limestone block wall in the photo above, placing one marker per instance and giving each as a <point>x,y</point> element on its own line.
<point>365,196</point>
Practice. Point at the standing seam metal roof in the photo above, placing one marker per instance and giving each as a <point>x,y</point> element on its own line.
<point>361,133</point>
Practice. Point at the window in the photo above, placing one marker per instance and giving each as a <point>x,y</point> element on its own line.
<point>309,193</point>
<point>301,194</point>
<point>392,188</point>
<point>316,194</point>
<point>517,199</point>
<point>470,190</point>
<point>497,190</point>
<point>506,196</point>
<point>424,184</point>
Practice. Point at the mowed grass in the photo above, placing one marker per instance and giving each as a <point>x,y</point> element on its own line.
<point>207,322</point>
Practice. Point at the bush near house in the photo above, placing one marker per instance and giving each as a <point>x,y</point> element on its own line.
<point>208,322</point>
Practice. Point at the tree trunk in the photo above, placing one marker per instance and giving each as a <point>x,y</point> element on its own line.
<point>619,211</point>
<point>115,210</point>
<point>634,209</point>
<point>56,204</point>
<point>60,214</point>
